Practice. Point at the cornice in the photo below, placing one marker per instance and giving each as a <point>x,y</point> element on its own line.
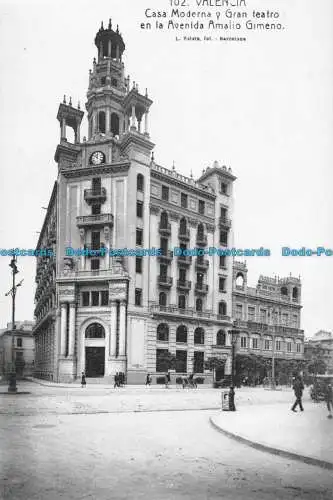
<point>182,185</point>
<point>159,205</point>
<point>113,168</point>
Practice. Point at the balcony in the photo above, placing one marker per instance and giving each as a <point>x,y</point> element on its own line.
<point>165,230</point>
<point>173,311</point>
<point>165,281</point>
<point>95,196</point>
<point>184,285</point>
<point>201,240</point>
<point>166,257</point>
<point>201,288</point>
<point>94,220</point>
<point>184,260</point>
<point>184,235</point>
<point>225,222</point>
<point>201,264</point>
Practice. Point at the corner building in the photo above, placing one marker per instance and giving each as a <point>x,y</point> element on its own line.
<point>105,314</point>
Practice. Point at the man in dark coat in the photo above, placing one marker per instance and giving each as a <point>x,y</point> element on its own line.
<point>329,399</point>
<point>298,390</point>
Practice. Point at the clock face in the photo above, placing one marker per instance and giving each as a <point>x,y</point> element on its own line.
<point>97,158</point>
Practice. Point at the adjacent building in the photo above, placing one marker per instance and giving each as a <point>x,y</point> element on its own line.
<point>100,313</point>
<point>17,345</point>
<point>321,345</point>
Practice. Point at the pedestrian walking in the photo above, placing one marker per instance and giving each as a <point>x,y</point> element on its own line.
<point>167,380</point>
<point>148,379</point>
<point>116,380</point>
<point>329,399</point>
<point>232,406</point>
<point>83,380</point>
<point>298,390</point>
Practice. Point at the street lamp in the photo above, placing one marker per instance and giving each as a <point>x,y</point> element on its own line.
<point>12,378</point>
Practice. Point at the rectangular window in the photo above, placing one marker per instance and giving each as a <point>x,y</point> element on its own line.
<point>95,240</point>
<point>138,265</point>
<point>94,265</point>
<point>295,321</point>
<point>161,364</point>
<point>263,315</point>
<point>201,207</point>
<point>95,298</point>
<point>221,284</point>
<point>138,297</point>
<point>284,319</point>
<point>182,275</point>
<point>223,212</point>
<point>163,270</point>
<point>239,311</point>
<point>164,245</point>
<point>139,209</point>
<point>298,347</point>
<point>255,343</point>
<point>165,193</point>
<point>96,185</point>
<point>199,280</point>
<point>223,238</point>
<point>85,299</point>
<point>181,361</point>
<point>139,237</point>
<point>243,342</point>
<point>105,298</point>
<point>222,261</point>
<point>95,209</point>
<point>251,314</point>
<point>198,362</point>
<point>224,188</point>
<point>278,345</point>
<point>19,342</point>
<point>267,345</point>
<point>183,200</point>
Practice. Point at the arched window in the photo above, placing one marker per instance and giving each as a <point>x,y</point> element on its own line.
<point>200,232</point>
<point>164,220</point>
<point>95,331</point>
<point>295,292</point>
<point>284,290</point>
<point>101,122</point>
<point>222,308</point>
<point>139,182</point>
<point>162,299</point>
<point>199,336</point>
<point>163,332</point>
<point>181,334</point>
<point>182,226</point>
<point>221,337</point>
<point>240,280</point>
<point>181,301</point>
<point>114,123</point>
<point>198,305</point>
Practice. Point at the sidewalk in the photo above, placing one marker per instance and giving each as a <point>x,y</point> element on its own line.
<point>305,436</point>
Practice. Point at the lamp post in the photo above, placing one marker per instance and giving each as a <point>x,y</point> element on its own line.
<point>12,377</point>
<point>234,332</point>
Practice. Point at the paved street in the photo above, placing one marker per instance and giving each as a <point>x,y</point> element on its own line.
<point>154,454</point>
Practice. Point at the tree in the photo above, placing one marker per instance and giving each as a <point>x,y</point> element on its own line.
<point>165,361</point>
<point>214,364</point>
<point>315,361</point>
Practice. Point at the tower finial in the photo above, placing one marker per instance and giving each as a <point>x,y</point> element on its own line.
<point>173,165</point>
<point>70,101</point>
<point>102,27</point>
<point>110,24</point>
<point>64,101</point>
<point>146,93</point>
<point>191,174</point>
<point>152,156</point>
<point>78,105</point>
<point>117,28</point>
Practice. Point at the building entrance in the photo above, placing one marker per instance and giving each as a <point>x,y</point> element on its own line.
<point>219,375</point>
<point>95,361</point>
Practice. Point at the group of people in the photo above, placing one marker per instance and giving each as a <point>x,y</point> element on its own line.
<point>119,379</point>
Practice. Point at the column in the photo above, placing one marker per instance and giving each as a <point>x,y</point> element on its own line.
<point>113,334</point>
<point>109,48</point>
<point>107,351</point>
<point>71,329</point>
<point>117,53</point>
<point>63,129</point>
<point>107,121</point>
<point>122,329</point>
<point>146,122</point>
<point>63,325</point>
<point>77,133</point>
<point>100,51</point>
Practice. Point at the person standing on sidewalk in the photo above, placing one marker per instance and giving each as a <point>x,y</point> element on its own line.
<point>148,380</point>
<point>329,399</point>
<point>232,406</point>
<point>83,380</point>
<point>298,390</point>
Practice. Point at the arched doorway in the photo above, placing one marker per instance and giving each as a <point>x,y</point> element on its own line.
<point>95,350</point>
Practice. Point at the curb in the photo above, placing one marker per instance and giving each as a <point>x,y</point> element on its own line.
<point>274,451</point>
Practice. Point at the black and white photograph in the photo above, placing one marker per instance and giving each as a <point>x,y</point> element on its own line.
<point>166,249</point>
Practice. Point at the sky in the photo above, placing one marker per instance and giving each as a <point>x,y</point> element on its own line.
<point>263,107</point>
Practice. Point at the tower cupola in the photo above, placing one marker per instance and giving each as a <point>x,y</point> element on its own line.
<point>109,43</point>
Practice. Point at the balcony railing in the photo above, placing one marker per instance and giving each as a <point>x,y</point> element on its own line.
<point>94,220</point>
<point>166,257</point>
<point>201,264</point>
<point>184,284</point>
<point>95,195</point>
<point>165,281</point>
<point>201,240</point>
<point>165,229</point>
<point>185,260</point>
<point>224,222</point>
<point>201,288</point>
<point>184,234</point>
